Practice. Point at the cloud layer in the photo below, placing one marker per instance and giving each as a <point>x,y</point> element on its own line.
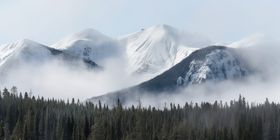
<point>59,80</point>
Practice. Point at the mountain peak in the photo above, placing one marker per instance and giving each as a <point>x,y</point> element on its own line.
<point>159,47</point>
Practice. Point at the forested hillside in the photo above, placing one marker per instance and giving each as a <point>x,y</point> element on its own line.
<point>23,116</point>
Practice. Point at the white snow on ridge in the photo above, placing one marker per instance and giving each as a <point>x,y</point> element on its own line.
<point>23,50</point>
<point>160,47</point>
<point>151,51</point>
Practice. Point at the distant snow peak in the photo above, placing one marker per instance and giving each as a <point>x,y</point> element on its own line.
<point>158,48</point>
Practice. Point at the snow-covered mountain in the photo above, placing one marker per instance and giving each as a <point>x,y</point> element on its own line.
<point>218,65</point>
<point>91,45</point>
<point>156,49</point>
<point>149,51</point>
<point>211,64</point>
<point>171,57</point>
<point>23,50</point>
<point>26,51</point>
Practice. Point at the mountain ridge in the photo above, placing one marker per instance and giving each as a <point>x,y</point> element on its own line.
<point>27,51</point>
<point>168,81</point>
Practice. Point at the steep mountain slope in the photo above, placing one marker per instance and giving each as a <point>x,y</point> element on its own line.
<point>90,45</point>
<point>215,63</point>
<point>27,51</point>
<point>23,50</point>
<point>160,47</point>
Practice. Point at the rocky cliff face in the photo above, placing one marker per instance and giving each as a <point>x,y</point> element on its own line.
<point>218,65</point>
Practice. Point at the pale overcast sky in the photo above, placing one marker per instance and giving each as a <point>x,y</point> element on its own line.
<point>47,21</point>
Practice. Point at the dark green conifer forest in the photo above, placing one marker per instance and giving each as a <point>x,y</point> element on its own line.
<point>25,117</point>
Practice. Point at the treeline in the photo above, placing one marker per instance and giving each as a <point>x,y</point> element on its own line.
<point>25,117</point>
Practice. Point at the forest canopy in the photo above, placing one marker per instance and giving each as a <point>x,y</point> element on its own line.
<point>23,116</point>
